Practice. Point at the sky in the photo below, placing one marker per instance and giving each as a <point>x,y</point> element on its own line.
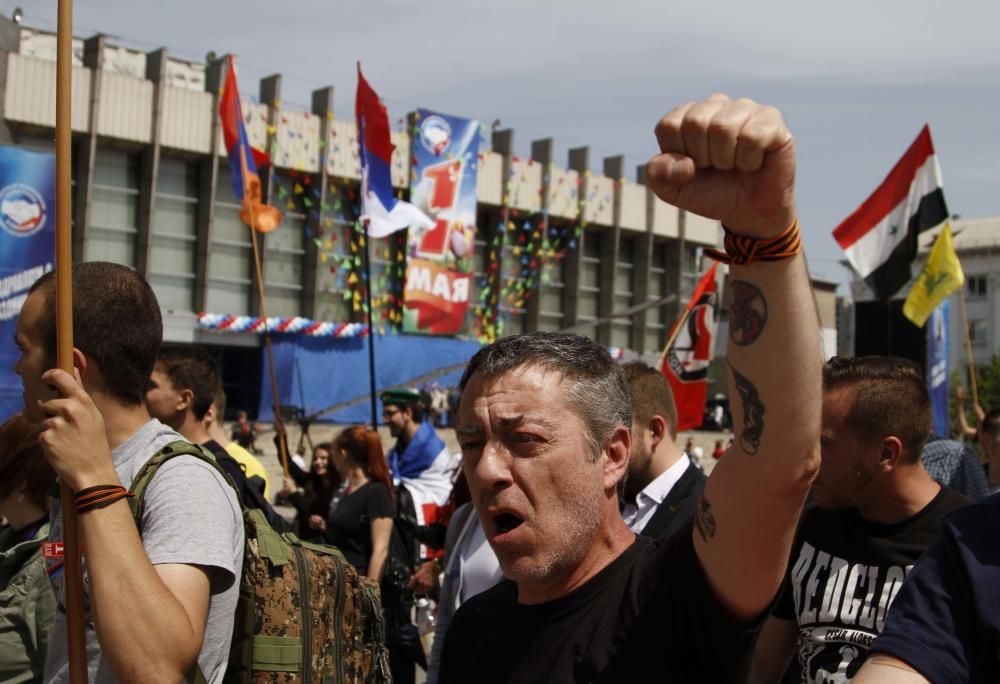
<point>856,80</point>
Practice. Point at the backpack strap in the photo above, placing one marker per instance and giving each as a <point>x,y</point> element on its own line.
<point>142,479</point>
<point>141,482</point>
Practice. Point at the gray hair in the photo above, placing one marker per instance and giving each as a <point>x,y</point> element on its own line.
<point>596,389</point>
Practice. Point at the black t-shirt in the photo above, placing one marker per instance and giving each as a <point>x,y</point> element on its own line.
<point>649,616</point>
<point>349,525</point>
<point>843,575</point>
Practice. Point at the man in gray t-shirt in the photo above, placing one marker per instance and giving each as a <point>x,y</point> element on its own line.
<point>174,530</point>
<point>157,604</point>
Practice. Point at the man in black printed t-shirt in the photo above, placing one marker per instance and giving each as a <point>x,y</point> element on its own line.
<point>876,512</point>
<point>544,424</point>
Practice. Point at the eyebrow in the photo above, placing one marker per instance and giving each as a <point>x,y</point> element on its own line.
<point>468,430</point>
<point>504,423</point>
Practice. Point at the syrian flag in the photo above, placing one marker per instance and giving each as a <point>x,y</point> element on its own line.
<point>880,237</point>
<point>689,352</point>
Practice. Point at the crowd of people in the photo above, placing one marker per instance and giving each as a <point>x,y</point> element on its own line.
<point>571,539</point>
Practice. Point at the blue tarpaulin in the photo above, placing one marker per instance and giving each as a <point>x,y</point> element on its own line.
<point>320,372</point>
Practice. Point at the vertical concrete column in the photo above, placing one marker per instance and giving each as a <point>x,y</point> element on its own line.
<point>677,262</point>
<point>10,42</point>
<point>270,95</point>
<point>614,168</point>
<point>503,144</point>
<point>85,148</point>
<point>642,267</point>
<point>579,161</point>
<point>541,153</point>
<point>208,181</point>
<point>322,106</point>
<point>149,164</point>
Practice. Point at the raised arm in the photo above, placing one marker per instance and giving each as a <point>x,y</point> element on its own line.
<point>734,160</point>
<point>963,423</point>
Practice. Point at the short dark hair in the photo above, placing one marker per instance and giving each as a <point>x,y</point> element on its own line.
<point>651,395</point>
<point>22,464</point>
<point>191,368</point>
<point>116,322</point>
<point>890,399</point>
<point>991,422</point>
<point>596,388</point>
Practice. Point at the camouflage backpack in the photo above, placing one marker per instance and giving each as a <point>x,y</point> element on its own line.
<point>304,613</point>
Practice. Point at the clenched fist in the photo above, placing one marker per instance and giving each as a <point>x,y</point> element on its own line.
<point>730,160</point>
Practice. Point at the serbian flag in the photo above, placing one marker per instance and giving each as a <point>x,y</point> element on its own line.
<point>381,210</point>
<point>880,237</point>
<point>243,159</point>
<point>688,354</point>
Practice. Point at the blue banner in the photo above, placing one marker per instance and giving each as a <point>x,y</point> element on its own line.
<point>27,250</point>
<point>445,154</point>
<point>303,365</point>
<point>938,372</point>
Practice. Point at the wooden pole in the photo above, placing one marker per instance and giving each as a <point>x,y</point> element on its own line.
<point>72,561</point>
<point>973,385</point>
<point>673,336</point>
<point>282,440</point>
<point>371,330</point>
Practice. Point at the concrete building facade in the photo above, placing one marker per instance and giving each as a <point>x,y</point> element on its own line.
<point>152,190</point>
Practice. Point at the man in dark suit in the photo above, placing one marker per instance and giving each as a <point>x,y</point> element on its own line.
<point>663,486</point>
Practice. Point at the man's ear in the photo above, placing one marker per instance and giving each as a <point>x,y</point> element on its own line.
<point>658,429</point>
<point>209,417</point>
<point>84,367</point>
<point>185,400</point>
<point>890,453</point>
<point>80,360</point>
<point>616,461</point>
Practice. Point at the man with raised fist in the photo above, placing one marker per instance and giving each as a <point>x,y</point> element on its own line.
<point>545,429</point>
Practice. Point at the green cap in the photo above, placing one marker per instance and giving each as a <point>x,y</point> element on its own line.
<point>400,397</point>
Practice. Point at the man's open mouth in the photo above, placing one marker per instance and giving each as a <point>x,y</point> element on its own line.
<point>505,522</point>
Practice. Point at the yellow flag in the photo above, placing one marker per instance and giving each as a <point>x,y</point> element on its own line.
<point>942,275</point>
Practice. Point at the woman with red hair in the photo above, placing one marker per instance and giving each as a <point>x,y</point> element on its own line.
<point>361,524</point>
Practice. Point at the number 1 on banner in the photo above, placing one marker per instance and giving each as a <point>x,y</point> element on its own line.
<point>445,179</point>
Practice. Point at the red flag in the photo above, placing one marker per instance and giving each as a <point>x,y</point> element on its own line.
<point>686,359</point>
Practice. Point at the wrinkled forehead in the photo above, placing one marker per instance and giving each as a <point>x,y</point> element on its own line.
<point>527,391</point>
<point>527,376</point>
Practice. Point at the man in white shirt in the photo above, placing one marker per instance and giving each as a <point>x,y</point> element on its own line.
<point>663,486</point>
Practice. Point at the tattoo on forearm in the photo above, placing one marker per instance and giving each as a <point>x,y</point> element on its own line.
<point>748,313</point>
<point>753,413</point>
<point>704,521</point>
